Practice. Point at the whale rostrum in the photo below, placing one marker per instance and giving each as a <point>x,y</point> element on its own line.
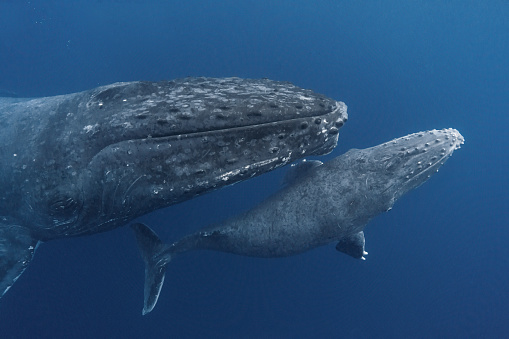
<point>321,203</point>
<point>89,162</point>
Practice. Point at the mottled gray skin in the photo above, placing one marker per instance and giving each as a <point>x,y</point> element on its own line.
<point>89,162</point>
<point>332,202</point>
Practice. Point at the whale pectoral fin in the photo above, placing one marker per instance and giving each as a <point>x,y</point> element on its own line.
<point>17,249</point>
<point>353,246</point>
<point>299,170</point>
<point>153,253</point>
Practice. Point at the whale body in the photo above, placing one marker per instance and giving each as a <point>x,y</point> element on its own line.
<point>322,203</point>
<point>89,162</point>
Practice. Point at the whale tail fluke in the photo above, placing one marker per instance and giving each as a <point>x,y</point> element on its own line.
<point>156,256</point>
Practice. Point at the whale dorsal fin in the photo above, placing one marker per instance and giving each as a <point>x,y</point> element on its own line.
<point>353,246</point>
<point>299,170</point>
<point>17,249</point>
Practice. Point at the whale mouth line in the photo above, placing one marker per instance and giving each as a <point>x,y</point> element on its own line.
<point>321,123</point>
<point>430,168</point>
<point>314,117</point>
<point>426,171</point>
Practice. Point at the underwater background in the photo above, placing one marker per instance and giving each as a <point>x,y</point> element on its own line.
<point>438,263</point>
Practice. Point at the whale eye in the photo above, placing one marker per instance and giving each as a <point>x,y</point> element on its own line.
<point>64,208</point>
<point>62,205</point>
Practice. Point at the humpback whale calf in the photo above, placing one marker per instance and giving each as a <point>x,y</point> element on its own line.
<point>321,203</point>
<point>88,162</point>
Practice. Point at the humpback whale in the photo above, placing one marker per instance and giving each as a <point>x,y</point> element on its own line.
<point>89,162</point>
<point>321,203</point>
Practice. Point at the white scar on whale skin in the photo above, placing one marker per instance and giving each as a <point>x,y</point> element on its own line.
<point>321,203</point>
<point>228,175</point>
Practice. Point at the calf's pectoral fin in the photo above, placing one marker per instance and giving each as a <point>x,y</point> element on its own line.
<point>155,256</point>
<point>17,249</point>
<point>300,170</point>
<point>353,246</point>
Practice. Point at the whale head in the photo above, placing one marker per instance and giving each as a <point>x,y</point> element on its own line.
<point>405,163</point>
<point>380,175</point>
<point>91,161</point>
<point>416,157</point>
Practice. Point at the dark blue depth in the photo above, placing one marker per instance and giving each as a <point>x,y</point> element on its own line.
<point>438,263</point>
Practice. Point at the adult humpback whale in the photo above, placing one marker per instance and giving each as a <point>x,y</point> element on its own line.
<point>88,162</point>
<point>323,203</point>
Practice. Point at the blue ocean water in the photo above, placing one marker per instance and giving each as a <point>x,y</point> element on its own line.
<point>439,261</point>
